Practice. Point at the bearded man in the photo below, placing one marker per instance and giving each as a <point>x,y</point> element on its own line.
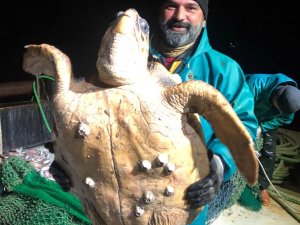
<point>180,42</point>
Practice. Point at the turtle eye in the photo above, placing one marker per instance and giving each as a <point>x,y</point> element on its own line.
<point>118,14</point>
<point>143,25</point>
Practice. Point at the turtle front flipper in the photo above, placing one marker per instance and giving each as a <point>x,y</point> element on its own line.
<point>200,97</point>
<point>48,60</point>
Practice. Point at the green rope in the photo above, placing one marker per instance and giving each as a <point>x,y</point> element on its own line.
<point>287,196</point>
<point>287,154</point>
<point>285,206</point>
<point>34,86</point>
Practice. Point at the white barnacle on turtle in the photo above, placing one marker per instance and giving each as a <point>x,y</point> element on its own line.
<point>140,112</point>
<point>149,197</point>
<point>83,130</point>
<point>90,182</point>
<point>162,160</point>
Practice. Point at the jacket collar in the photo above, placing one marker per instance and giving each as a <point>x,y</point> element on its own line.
<point>203,44</point>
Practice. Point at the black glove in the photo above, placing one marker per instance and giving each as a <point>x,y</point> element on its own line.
<point>203,191</point>
<point>59,176</point>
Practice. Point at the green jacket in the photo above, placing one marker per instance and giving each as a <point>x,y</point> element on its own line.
<point>224,74</point>
<point>262,86</point>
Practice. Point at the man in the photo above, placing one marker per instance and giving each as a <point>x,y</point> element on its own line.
<point>181,44</point>
<point>277,98</point>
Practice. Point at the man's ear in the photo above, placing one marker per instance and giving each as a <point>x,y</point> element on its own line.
<point>203,23</point>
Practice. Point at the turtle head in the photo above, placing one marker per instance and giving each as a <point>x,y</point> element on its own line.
<point>124,50</point>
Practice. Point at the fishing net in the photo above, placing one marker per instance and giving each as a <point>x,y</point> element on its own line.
<point>227,195</point>
<point>236,191</point>
<point>28,198</point>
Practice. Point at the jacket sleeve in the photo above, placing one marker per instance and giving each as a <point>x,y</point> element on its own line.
<point>262,87</point>
<point>233,85</point>
<point>277,122</point>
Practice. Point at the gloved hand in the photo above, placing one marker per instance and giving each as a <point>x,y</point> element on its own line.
<point>59,176</point>
<point>286,98</point>
<point>203,191</point>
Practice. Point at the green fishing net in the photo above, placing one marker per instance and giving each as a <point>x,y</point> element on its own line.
<point>236,191</point>
<point>28,198</point>
<point>227,195</point>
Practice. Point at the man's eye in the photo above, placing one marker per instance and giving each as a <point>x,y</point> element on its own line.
<point>192,8</point>
<point>170,6</point>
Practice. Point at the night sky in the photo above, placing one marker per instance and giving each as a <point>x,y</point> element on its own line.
<point>261,35</point>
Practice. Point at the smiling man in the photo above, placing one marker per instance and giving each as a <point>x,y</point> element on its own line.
<point>181,24</point>
<point>180,42</point>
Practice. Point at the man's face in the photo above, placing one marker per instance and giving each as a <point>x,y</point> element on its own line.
<point>181,22</point>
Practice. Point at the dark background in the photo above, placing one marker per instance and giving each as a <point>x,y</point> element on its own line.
<point>262,36</point>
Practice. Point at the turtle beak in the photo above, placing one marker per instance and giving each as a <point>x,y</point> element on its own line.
<point>126,22</point>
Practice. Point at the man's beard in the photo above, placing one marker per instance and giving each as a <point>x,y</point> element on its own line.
<point>178,39</point>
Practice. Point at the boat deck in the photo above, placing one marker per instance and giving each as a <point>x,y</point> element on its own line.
<point>269,215</point>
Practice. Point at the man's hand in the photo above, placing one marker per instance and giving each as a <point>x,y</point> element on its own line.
<point>59,176</point>
<point>202,192</point>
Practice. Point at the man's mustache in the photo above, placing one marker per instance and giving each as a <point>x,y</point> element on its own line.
<point>178,24</point>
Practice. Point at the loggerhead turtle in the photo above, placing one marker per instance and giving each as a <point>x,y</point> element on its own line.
<point>127,143</point>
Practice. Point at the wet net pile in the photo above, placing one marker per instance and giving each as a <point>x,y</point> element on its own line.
<point>28,198</point>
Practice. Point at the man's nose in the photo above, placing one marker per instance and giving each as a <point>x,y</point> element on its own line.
<point>179,14</point>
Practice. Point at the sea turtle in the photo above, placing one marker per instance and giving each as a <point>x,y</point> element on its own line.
<point>130,144</point>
